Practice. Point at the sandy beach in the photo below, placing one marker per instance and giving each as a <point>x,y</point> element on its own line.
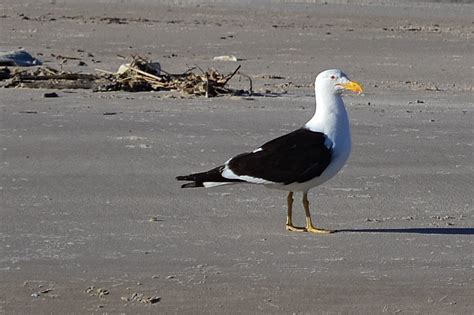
<point>92,219</point>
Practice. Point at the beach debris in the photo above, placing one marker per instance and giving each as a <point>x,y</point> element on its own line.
<point>5,73</point>
<point>152,299</point>
<point>46,291</point>
<point>443,218</point>
<point>90,290</point>
<point>52,94</point>
<point>141,298</point>
<point>141,74</point>
<point>226,58</point>
<point>144,75</point>
<point>40,288</point>
<point>18,58</point>
<point>272,77</point>
<point>28,112</point>
<point>434,28</point>
<point>100,292</point>
<point>41,292</point>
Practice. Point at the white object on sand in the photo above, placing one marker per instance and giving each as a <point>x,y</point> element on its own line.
<point>226,58</point>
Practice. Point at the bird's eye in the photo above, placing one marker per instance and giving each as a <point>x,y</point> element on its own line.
<point>333,77</point>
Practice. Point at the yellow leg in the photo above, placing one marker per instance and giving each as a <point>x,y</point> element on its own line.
<point>289,221</point>
<point>309,223</point>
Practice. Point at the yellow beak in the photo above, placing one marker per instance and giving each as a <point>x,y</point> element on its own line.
<point>353,86</point>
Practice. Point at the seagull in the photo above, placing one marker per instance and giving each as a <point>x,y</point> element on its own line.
<point>299,160</point>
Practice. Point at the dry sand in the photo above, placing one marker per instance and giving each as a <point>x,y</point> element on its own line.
<point>92,220</point>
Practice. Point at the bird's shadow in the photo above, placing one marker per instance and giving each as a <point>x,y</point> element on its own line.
<point>442,231</point>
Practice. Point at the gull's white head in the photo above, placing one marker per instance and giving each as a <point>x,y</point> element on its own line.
<point>335,82</point>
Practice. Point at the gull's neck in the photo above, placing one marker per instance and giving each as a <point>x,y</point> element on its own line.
<point>330,117</point>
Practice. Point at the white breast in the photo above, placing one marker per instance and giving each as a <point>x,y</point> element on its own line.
<point>331,119</point>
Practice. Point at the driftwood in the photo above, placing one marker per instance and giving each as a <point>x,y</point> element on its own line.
<point>58,85</point>
<point>49,78</point>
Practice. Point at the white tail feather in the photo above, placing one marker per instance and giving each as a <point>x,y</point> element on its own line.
<point>214,184</point>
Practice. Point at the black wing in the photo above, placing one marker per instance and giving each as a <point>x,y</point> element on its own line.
<point>296,157</point>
